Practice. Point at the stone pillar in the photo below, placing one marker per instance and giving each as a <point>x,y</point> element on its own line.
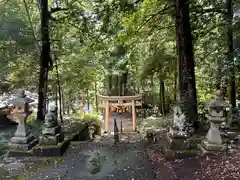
<point>107,115</point>
<point>133,115</point>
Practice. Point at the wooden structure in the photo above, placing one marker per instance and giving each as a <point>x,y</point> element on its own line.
<point>120,102</point>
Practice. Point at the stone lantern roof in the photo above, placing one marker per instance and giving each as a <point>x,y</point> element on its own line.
<point>20,100</point>
<point>218,102</point>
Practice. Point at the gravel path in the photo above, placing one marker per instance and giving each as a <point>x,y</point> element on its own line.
<point>125,161</point>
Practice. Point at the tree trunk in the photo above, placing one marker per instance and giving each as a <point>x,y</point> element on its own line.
<point>118,81</point>
<point>175,81</point>
<point>124,82</point>
<point>69,102</point>
<point>152,90</point>
<point>68,109</point>
<point>232,83</point>
<point>63,101</point>
<point>134,88</point>
<point>187,84</point>
<point>41,93</point>
<point>88,102</point>
<point>59,92</point>
<point>96,97</point>
<point>219,74</point>
<point>162,96</point>
<point>109,84</point>
<point>56,94</point>
<point>45,60</point>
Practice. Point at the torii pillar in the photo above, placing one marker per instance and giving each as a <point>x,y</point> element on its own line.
<point>107,115</point>
<point>133,115</point>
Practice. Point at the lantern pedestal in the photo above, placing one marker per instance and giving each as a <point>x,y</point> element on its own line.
<point>51,136</point>
<point>51,150</point>
<point>22,141</point>
<point>50,139</point>
<point>208,148</point>
<point>213,140</point>
<point>51,143</point>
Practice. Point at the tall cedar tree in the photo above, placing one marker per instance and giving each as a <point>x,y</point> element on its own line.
<point>187,83</point>
<point>45,59</point>
<point>230,58</point>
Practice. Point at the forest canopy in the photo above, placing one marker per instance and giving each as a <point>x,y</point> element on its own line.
<point>119,47</point>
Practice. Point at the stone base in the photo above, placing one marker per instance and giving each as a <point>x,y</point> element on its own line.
<point>51,131</point>
<point>22,139</point>
<point>22,149</point>
<point>170,154</point>
<point>51,150</point>
<point>84,134</point>
<point>208,148</point>
<point>51,139</point>
<point>75,136</point>
<point>15,153</point>
<point>176,143</point>
<point>177,148</point>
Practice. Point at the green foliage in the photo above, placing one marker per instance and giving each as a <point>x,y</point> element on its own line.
<point>151,125</point>
<point>89,118</point>
<point>84,38</point>
<point>31,118</point>
<point>36,126</point>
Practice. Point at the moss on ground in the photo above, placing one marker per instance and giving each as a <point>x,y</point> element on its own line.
<point>42,165</point>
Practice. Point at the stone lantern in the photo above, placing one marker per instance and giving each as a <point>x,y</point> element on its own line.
<point>213,139</point>
<point>22,139</point>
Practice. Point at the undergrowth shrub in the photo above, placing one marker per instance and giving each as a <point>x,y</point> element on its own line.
<point>92,119</point>
<point>34,124</point>
<point>152,125</point>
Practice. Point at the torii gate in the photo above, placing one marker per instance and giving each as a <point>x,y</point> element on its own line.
<point>120,102</point>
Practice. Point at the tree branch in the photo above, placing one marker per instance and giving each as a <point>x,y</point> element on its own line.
<point>30,22</point>
<point>57,9</point>
<point>201,10</point>
<point>162,11</point>
<point>210,53</point>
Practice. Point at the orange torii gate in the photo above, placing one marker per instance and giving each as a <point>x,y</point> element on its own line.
<point>120,102</point>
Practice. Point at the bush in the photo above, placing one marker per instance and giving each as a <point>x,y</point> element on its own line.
<point>92,119</point>
<point>152,125</point>
<point>31,118</point>
<point>34,124</point>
